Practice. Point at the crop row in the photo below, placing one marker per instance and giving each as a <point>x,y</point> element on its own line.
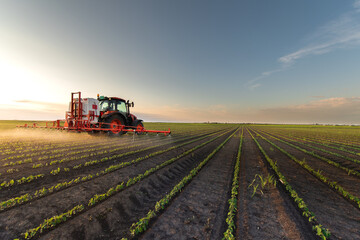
<point>57,152</point>
<point>132,146</point>
<point>97,198</point>
<point>334,142</point>
<point>12,182</point>
<point>336,164</point>
<point>34,145</point>
<point>341,147</point>
<point>92,162</point>
<point>22,146</point>
<point>230,220</point>
<point>52,222</point>
<point>328,139</point>
<point>142,224</point>
<point>334,185</point>
<point>91,150</point>
<point>88,148</point>
<point>95,152</point>
<point>322,232</point>
<point>59,186</point>
<point>57,149</point>
<point>324,150</point>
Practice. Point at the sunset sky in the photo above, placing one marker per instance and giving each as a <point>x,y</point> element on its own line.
<point>276,61</point>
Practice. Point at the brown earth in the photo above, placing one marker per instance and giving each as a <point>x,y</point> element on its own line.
<point>200,209</point>
<point>333,211</point>
<point>265,216</point>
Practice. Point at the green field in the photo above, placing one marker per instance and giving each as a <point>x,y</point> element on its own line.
<point>256,174</point>
<point>11,124</point>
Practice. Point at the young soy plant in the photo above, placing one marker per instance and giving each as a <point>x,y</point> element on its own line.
<point>265,183</point>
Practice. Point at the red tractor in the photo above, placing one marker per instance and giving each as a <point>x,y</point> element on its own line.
<point>104,114</point>
<point>115,112</point>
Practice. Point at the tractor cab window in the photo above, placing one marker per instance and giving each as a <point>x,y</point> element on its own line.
<point>121,106</point>
<point>106,106</point>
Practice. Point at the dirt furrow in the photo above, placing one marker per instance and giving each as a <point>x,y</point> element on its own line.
<point>319,144</point>
<point>25,168</point>
<point>308,146</point>
<point>349,182</point>
<point>199,212</point>
<point>51,180</point>
<point>270,215</point>
<point>330,209</point>
<point>57,203</point>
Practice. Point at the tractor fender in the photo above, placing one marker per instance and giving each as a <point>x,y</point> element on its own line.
<point>109,115</point>
<point>137,122</point>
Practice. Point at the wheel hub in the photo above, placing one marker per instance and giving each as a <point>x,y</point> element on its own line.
<point>116,126</point>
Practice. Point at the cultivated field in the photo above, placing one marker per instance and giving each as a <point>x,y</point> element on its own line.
<point>205,181</point>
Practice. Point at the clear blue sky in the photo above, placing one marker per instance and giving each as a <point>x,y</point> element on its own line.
<point>232,61</point>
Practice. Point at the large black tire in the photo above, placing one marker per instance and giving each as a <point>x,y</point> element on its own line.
<point>116,124</point>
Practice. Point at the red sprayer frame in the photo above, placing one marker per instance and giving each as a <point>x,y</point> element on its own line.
<point>74,122</point>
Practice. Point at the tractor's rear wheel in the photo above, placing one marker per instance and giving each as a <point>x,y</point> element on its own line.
<point>115,124</point>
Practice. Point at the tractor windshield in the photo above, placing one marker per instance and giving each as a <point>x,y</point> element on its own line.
<point>107,105</point>
<point>120,106</point>
<point>111,105</point>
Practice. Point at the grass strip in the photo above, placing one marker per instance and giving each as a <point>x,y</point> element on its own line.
<point>142,224</point>
<point>320,231</point>
<point>230,220</point>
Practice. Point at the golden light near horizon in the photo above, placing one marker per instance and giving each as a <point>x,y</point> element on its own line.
<point>24,89</point>
<point>17,83</point>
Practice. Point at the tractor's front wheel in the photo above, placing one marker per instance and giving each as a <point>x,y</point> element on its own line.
<point>139,128</point>
<point>115,125</point>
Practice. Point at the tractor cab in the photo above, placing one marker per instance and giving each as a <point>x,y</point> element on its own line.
<point>112,104</point>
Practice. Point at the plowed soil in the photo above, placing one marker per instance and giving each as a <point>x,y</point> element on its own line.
<point>198,211</point>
